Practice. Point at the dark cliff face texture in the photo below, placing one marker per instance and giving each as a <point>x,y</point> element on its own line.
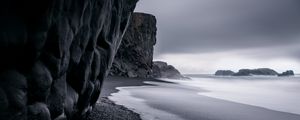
<point>134,57</point>
<point>55,55</point>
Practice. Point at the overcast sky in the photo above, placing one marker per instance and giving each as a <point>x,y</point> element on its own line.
<point>201,36</point>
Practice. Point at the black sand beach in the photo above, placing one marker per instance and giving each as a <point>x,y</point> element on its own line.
<point>110,84</point>
<point>203,107</point>
<point>107,109</point>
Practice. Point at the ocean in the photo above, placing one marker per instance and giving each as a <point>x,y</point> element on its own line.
<point>209,97</point>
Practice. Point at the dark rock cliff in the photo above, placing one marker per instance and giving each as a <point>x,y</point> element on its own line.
<point>55,55</point>
<point>134,58</point>
<point>135,55</point>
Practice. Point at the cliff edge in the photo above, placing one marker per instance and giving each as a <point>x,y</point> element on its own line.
<point>135,55</point>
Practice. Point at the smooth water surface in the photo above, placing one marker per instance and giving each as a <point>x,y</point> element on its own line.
<point>208,97</point>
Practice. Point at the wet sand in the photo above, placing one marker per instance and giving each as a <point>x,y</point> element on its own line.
<point>183,103</point>
<point>111,83</point>
<point>106,109</point>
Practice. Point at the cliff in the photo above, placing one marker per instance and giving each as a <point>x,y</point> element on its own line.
<point>134,58</point>
<point>55,55</point>
<point>135,55</point>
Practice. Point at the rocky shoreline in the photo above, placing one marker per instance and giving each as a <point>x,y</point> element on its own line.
<point>108,110</point>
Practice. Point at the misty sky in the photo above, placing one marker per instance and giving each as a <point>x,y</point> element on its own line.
<point>201,36</point>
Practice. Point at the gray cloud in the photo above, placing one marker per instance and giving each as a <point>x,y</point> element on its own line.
<point>200,26</point>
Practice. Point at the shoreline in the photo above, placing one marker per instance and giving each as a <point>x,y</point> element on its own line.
<point>112,82</point>
<point>107,109</point>
<point>161,97</point>
<point>157,96</point>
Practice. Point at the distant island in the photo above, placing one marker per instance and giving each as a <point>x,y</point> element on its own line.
<point>287,73</point>
<point>249,72</point>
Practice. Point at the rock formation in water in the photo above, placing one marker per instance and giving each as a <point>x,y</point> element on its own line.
<point>224,73</point>
<point>55,55</point>
<point>259,71</point>
<point>287,73</point>
<point>134,57</point>
<point>163,70</point>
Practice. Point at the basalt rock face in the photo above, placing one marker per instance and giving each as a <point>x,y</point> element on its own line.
<point>55,55</point>
<point>134,58</point>
<point>135,55</point>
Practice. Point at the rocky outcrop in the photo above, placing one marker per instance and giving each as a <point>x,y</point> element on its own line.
<point>224,73</point>
<point>134,58</point>
<point>55,55</point>
<point>287,73</point>
<point>135,55</point>
<point>249,72</point>
<point>259,71</point>
<point>163,70</point>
